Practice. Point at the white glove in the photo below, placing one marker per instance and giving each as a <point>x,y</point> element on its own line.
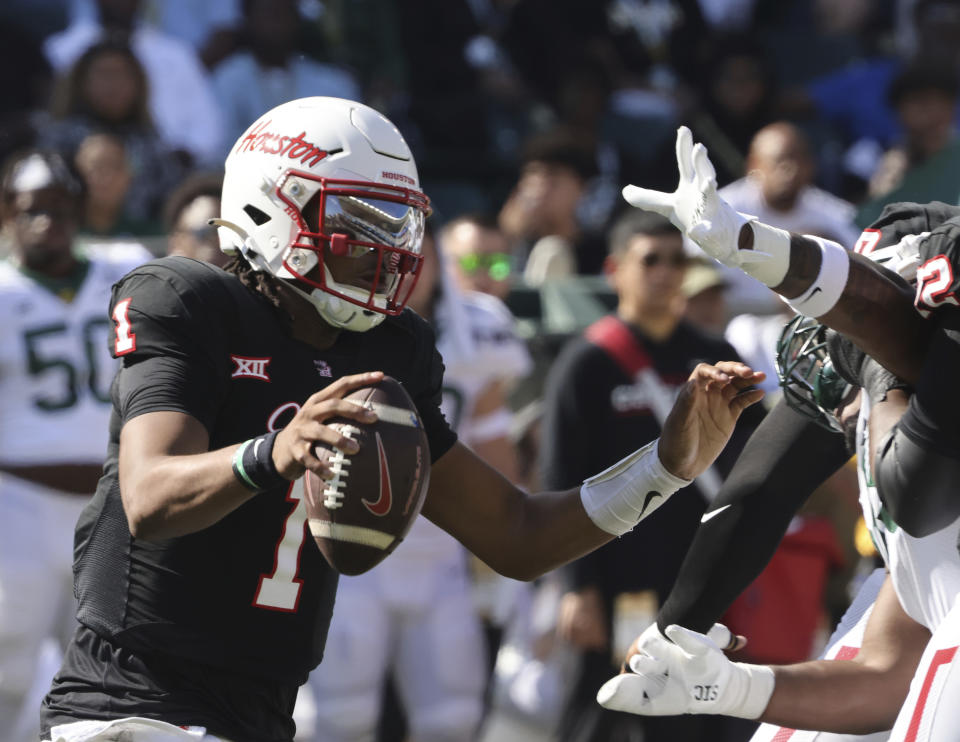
<point>654,644</point>
<point>695,208</point>
<point>690,676</point>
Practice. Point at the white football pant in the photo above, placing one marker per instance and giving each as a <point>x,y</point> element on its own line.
<point>36,598</point>
<point>423,627</point>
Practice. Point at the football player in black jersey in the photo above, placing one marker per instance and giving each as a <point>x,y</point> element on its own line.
<point>200,609</point>
<point>912,460</point>
<point>880,316</point>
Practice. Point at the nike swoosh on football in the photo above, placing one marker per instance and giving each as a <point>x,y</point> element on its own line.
<point>713,513</point>
<point>385,500</point>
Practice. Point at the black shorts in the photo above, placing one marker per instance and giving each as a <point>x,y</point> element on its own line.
<point>103,680</point>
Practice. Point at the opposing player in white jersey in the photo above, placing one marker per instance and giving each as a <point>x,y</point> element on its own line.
<point>908,490</point>
<point>414,615</point>
<point>55,375</point>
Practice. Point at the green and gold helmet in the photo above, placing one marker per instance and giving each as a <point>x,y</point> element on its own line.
<point>811,385</point>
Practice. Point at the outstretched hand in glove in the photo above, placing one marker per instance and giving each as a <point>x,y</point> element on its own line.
<point>698,211</point>
<point>695,208</point>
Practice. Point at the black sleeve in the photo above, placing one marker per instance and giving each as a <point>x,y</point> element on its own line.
<point>167,384</point>
<point>918,462</point>
<point>786,458</point>
<point>425,385</point>
<point>571,402</point>
<point>171,345</point>
<point>902,218</point>
<point>748,422</point>
<point>440,435</point>
<point>572,399</point>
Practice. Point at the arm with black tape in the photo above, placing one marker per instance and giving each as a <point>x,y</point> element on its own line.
<point>739,534</point>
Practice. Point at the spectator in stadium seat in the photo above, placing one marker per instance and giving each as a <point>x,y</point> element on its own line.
<point>106,92</point>
<point>778,189</point>
<point>478,255</point>
<point>925,164</point>
<point>181,99</point>
<point>540,218</point>
<point>705,288</point>
<point>187,215</point>
<point>272,71</point>
<point>102,162</point>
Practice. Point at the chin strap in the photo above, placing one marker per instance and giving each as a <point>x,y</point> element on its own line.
<point>229,249</point>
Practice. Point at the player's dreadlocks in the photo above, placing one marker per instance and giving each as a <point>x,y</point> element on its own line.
<point>265,284</point>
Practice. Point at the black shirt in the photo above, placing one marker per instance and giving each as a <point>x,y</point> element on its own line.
<point>246,602</point>
<point>597,413</point>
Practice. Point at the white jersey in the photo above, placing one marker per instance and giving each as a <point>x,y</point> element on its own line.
<point>476,339</point>
<point>815,212</point>
<point>414,613</point>
<point>55,376</point>
<point>925,571</point>
<point>55,364</point>
<point>754,337</point>
<point>844,644</point>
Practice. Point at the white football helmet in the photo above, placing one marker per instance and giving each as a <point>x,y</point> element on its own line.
<point>327,176</point>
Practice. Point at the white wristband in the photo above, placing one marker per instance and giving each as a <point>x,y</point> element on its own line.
<point>748,691</point>
<point>826,290</point>
<point>618,498</point>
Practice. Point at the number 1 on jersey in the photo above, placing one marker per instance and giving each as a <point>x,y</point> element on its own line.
<point>126,341</point>
<point>280,590</point>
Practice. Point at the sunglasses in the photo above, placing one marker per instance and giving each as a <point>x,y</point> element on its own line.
<point>497,265</point>
<point>674,260</point>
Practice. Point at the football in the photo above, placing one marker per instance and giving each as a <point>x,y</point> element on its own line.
<point>358,516</point>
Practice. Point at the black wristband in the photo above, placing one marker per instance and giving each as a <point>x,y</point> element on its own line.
<point>253,464</point>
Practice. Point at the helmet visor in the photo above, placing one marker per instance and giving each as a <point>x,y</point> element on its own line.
<point>368,238</point>
<point>371,222</point>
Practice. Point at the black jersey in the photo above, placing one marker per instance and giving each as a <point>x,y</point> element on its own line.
<point>926,239</point>
<point>791,455</point>
<point>246,595</point>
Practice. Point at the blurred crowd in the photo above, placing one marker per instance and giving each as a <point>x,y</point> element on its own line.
<point>526,118</point>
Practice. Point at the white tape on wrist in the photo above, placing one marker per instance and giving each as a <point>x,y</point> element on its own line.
<point>769,258</point>
<point>826,290</point>
<point>749,692</point>
<point>618,498</point>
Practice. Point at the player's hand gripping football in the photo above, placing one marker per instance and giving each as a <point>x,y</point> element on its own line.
<point>704,414</point>
<point>689,674</point>
<point>293,451</point>
<point>695,208</point>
